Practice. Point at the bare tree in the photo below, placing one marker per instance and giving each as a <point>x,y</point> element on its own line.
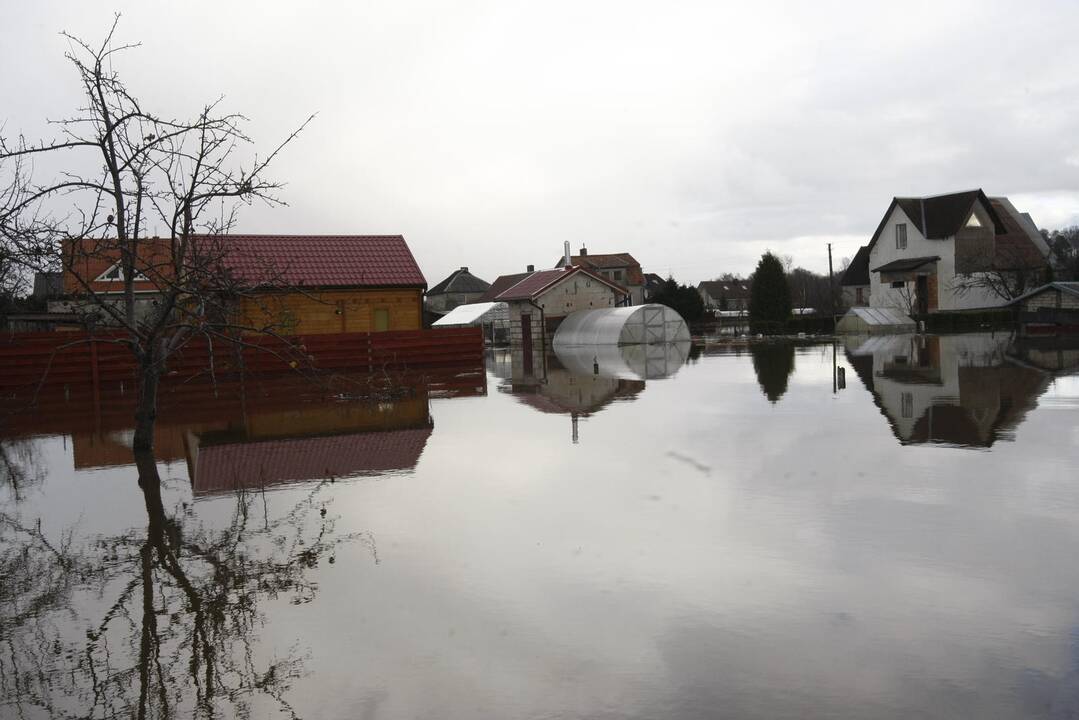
<point>1012,272</point>
<point>1064,252</point>
<point>185,175</point>
<point>905,298</point>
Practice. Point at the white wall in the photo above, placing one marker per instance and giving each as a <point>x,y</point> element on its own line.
<point>579,293</point>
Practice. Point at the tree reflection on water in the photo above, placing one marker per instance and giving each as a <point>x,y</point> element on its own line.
<point>156,622</point>
<point>774,364</point>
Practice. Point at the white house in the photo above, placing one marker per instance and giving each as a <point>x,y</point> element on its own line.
<point>953,252</point>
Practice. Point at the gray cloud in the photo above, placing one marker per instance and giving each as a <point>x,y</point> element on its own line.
<point>694,136</point>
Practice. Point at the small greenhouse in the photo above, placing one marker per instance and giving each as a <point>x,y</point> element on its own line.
<point>493,317</point>
<point>874,321</point>
<point>637,325</point>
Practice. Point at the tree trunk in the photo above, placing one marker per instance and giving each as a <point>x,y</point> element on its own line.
<point>146,410</point>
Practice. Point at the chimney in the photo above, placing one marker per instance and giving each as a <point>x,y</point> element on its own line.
<point>584,251</point>
<point>565,257</point>
<point>531,268</point>
<point>464,268</point>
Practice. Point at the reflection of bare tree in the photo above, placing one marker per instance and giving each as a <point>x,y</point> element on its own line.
<point>177,611</point>
<point>19,467</point>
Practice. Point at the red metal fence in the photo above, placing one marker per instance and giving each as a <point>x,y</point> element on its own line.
<point>72,360</point>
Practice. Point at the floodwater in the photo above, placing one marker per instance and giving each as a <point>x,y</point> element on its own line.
<point>884,529</point>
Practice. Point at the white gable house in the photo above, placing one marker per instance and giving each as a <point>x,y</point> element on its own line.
<point>960,251</point>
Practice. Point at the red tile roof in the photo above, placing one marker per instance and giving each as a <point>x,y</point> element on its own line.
<point>533,285</point>
<point>319,260</point>
<point>501,285</point>
<point>609,261</point>
<point>224,468</point>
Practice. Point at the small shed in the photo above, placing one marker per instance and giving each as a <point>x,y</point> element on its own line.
<point>493,317</point>
<point>1053,307</point>
<point>635,325</point>
<point>874,321</point>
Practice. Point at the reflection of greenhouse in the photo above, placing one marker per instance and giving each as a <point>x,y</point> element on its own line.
<point>628,362</point>
<point>582,381</point>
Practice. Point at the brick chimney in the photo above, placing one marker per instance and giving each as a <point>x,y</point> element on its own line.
<point>464,268</point>
<point>531,268</point>
<point>584,251</point>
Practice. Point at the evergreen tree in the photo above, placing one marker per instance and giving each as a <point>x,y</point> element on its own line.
<point>770,296</point>
<point>682,298</point>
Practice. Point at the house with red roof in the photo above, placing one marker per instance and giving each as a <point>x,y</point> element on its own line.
<point>298,284</point>
<point>622,268</point>
<point>540,300</point>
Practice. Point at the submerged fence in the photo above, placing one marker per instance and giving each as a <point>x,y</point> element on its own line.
<point>78,360</point>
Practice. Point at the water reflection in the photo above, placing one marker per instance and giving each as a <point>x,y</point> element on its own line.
<point>159,622</point>
<point>774,364</point>
<point>579,381</point>
<point>20,468</point>
<point>701,552</point>
<point>968,390</point>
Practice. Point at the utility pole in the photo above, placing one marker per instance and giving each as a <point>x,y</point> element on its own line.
<point>831,286</point>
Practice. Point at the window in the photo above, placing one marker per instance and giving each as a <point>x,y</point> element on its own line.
<point>618,276</point>
<point>382,319</point>
<point>901,236</point>
<point>907,400</point>
<point>899,284</point>
<point>116,274</point>
<point>858,294</point>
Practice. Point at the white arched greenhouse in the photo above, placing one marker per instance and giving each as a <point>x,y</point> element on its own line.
<point>636,325</point>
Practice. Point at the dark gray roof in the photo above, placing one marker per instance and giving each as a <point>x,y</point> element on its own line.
<point>460,281</point>
<point>730,289</point>
<point>857,273</point>
<point>906,264</point>
<point>940,216</point>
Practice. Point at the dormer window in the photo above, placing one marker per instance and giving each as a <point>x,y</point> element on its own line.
<point>116,274</point>
<point>901,236</point>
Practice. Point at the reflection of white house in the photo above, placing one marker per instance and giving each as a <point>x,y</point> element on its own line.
<point>928,253</point>
<point>956,389</point>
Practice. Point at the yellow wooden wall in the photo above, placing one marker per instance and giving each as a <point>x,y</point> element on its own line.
<point>316,313</point>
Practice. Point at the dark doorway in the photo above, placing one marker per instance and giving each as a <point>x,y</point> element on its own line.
<point>526,342</point>
<point>921,295</point>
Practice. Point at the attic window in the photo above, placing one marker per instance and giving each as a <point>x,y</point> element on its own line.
<point>901,236</point>
<point>116,274</point>
<point>974,221</point>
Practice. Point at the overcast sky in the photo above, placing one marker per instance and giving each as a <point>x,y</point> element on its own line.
<point>693,135</point>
